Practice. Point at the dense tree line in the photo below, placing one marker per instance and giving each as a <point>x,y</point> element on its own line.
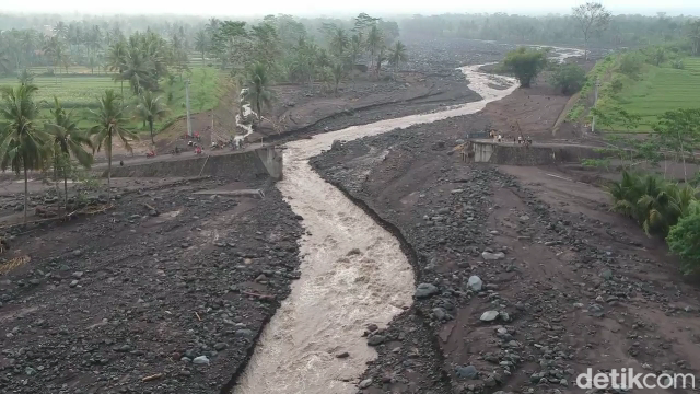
<point>293,49</point>
<point>277,47</point>
<point>623,29</point>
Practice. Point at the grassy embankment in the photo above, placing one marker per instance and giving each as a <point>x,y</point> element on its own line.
<point>80,90</point>
<point>641,88</point>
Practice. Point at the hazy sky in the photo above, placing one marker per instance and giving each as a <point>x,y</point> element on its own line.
<point>315,7</point>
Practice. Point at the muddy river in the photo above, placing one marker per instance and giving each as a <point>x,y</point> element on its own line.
<point>353,271</point>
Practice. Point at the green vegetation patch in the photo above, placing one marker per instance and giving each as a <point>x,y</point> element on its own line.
<point>81,94</point>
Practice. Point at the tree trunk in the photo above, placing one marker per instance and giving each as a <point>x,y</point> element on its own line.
<point>25,190</point>
<point>257,106</point>
<point>109,163</point>
<point>150,126</point>
<point>685,169</point>
<point>65,184</point>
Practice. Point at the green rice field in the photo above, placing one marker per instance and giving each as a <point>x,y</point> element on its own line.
<point>81,93</point>
<point>658,90</point>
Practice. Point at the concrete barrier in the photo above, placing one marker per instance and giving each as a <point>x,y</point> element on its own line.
<point>254,163</point>
<point>536,154</point>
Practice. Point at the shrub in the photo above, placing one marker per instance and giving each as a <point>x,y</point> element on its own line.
<point>652,201</point>
<point>684,241</point>
<point>616,86</point>
<point>657,56</point>
<point>568,78</point>
<point>525,64</point>
<point>630,64</point>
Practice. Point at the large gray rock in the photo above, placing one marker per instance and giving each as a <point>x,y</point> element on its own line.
<point>426,290</point>
<point>489,316</point>
<point>492,256</point>
<point>474,283</point>
<point>467,373</point>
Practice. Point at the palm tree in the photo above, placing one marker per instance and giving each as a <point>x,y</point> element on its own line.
<point>22,145</point>
<point>150,108</point>
<point>111,120</point>
<point>61,30</point>
<point>694,36</point>
<point>397,55</point>
<point>201,43</point>
<point>5,62</point>
<point>54,49</point>
<point>116,58</point>
<point>375,41</point>
<point>355,50</point>
<point>258,90</point>
<point>339,41</point>
<point>338,73</point>
<point>137,70</point>
<point>67,141</point>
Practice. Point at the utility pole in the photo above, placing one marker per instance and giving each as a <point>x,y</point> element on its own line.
<point>595,103</point>
<point>187,104</point>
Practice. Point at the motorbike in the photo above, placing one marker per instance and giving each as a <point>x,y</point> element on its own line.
<point>150,155</point>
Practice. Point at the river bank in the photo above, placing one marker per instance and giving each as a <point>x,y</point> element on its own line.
<point>524,278</point>
<point>165,292</point>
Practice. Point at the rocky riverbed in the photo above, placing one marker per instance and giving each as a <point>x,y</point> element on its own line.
<point>520,288</point>
<point>135,300</point>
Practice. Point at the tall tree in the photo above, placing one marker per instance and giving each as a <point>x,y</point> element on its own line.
<point>150,107</point>
<point>22,144</point>
<point>68,142</point>
<point>694,36</point>
<point>375,42</point>
<point>201,44</point>
<point>397,55</point>
<point>111,120</point>
<point>258,88</point>
<point>338,70</point>
<point>138,70</point>
<point>339,42</point>
<point>680,131</point>
<point>592,18</point>
<point>116,60</point>
<point>54,49</point>
<point>525,64</point>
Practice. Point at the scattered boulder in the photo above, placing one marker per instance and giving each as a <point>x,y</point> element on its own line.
<point>489,316</point>
<point>466,373</point>
<point>492,256</point>
<point>376,340</point>
<point>474,283</point>
<point>426,290</point>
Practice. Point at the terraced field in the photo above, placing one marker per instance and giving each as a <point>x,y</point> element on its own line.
<point>658,90</point>
<point>73,92</point>
<point>81,93</point>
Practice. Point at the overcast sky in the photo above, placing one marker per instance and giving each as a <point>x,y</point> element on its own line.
<point>316,7</point>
